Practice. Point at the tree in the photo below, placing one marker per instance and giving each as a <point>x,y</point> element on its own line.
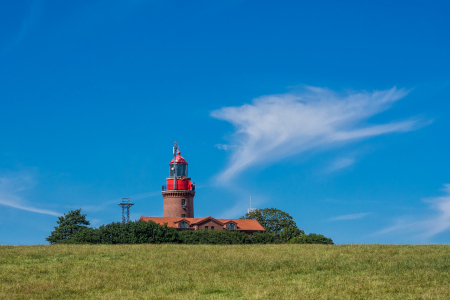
<point>275,221</point>
<point>68,226</point>
<point>311,238</point>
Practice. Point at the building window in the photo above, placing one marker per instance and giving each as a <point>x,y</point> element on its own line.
<point>230,226</point>
<point>212,227</point>
<point>183,225</point>
<point>206,227</point>
<point>183,216</point>
<point>183,201</point>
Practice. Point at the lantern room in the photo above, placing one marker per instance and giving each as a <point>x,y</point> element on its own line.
<point>182,166</point>
<point>179,166</point>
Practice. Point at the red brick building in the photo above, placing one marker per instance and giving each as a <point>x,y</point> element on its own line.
<point>178,206</point>
<point>208,223</point>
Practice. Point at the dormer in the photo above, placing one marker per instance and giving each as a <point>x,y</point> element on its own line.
<point>206,219</point>
<point>230,225</point>
<point>183,223</point>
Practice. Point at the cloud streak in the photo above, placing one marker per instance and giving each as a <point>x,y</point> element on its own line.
<point>425,227</point>
<point>341,163</point>
<point>275,127</point>
<point>10,190</point>
<point>349,217</point>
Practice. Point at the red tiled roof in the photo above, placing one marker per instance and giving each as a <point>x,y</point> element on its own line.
<point>181,220</point>
<point>226,221</point>
<point>244,225</point>
<point>202,220</point>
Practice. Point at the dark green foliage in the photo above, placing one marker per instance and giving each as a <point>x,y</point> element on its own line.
<point>72,229</point>
<point>138,232</point>
<point>85,236</point>
<point>277,222</point>
<point>68,225</point>
<point>311,238</point>
<point>214,237</point>
<point>264,238</point>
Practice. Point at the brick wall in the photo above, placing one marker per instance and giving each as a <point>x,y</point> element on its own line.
<point>172,204</point>
<point>209,224</point>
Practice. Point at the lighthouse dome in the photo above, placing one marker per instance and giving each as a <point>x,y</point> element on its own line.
<point>179,159</point>
<point>181,166</point>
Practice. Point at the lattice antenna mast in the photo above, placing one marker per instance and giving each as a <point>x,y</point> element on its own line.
<point>175,149</point>
<point>126,205</point>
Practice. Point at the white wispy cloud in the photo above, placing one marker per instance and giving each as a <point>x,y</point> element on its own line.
<point>341,163</point>
<point>278,126</point>
<point>223,147</point>
<point>349,217</point>
<point>11,188</point>
<point>425,227</point>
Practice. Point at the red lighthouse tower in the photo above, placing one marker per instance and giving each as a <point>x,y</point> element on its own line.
<point>179,193</point>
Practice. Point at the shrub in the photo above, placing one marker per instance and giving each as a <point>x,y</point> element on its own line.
<point>311,238</point>
<point>214,237</point>
<point>138,232</point>
<point>264,238</point>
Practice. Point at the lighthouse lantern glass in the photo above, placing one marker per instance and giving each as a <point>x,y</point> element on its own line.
<point>182,170</point>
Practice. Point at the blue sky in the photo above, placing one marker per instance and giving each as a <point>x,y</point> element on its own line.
<point>334,111</point>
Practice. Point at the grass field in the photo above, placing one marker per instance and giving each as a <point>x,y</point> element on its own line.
<point>225,272</point>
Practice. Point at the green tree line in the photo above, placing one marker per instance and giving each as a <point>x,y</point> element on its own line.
<point>73,229</point>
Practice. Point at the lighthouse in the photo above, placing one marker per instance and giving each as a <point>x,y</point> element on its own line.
<point>178,206</point>
<point>179,191</point>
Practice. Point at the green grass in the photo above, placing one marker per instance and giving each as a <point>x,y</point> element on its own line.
<point>225,272</point>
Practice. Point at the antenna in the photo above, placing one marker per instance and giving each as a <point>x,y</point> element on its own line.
<point>126,204</point>
<point>175,148</point>
<point>250,209</point>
